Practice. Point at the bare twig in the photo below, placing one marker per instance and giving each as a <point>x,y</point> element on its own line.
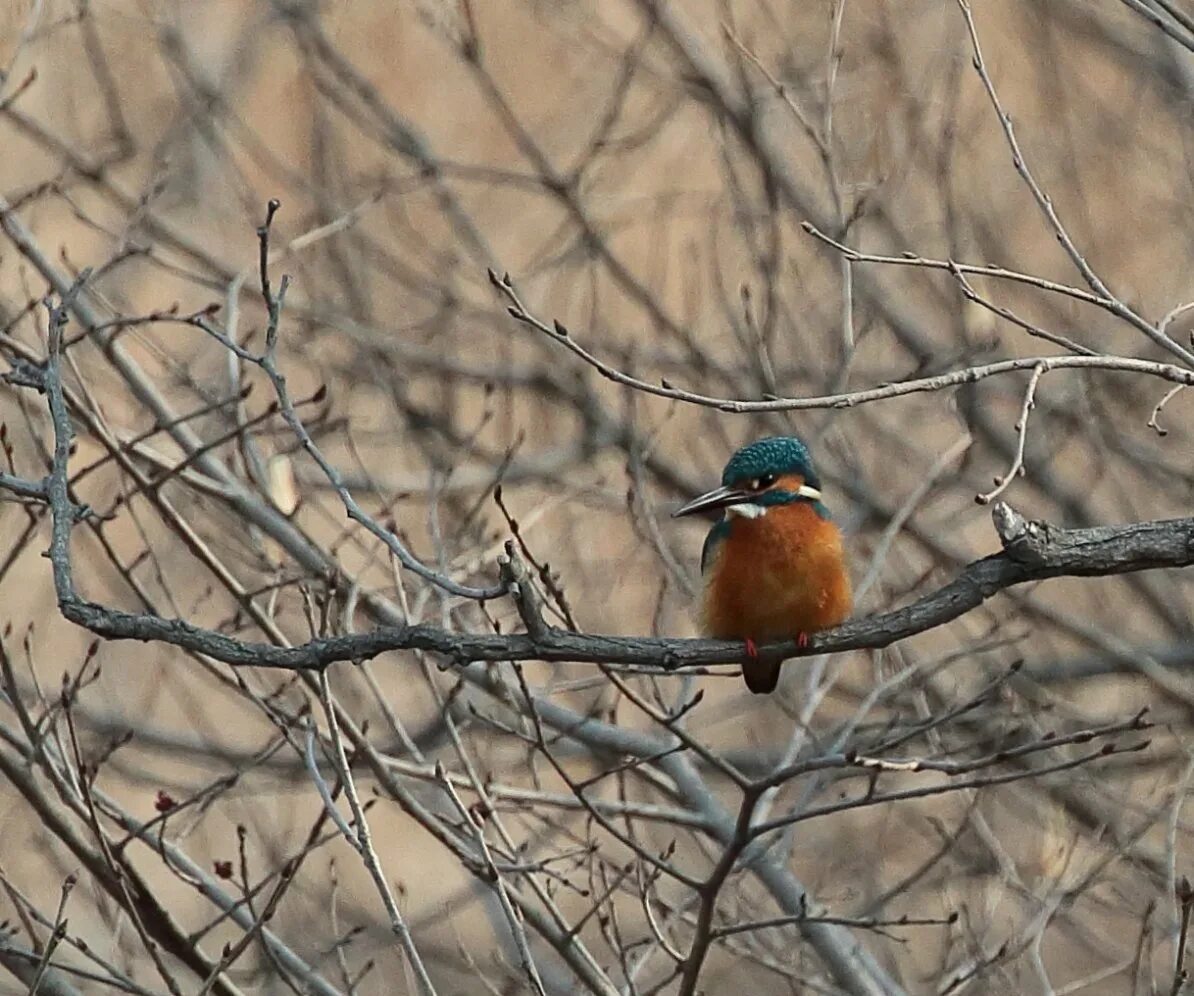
<point>1017,467</point>
<point>848,399</point>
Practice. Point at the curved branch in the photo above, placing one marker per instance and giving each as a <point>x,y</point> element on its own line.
<point>1032,552</point>
<point>848,399</point>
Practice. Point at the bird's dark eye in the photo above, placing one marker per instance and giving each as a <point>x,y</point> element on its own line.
<point>762,481</point>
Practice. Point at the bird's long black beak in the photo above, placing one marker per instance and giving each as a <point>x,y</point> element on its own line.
<point>712,500</point>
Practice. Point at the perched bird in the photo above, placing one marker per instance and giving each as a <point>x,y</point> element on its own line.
<point>773,563</point>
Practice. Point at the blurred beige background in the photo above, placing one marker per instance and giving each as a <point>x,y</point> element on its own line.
<point>644,184</point>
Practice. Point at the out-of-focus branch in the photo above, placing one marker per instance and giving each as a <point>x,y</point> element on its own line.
<point>1174,31</point>
<point>34,971</point>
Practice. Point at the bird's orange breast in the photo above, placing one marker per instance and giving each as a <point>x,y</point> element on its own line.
<point>777,576</point>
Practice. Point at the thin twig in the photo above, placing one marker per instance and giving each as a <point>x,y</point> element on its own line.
<point>847,399</point>
<point>1045,203</point>
<point>1017,467</point>
<point>362,842</point>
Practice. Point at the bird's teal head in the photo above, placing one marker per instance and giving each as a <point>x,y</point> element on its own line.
<point>763,475</point>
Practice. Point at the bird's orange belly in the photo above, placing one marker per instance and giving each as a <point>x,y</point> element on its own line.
<point>777,577</point>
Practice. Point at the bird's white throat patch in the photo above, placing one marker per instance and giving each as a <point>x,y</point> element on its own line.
<point>748,510</point>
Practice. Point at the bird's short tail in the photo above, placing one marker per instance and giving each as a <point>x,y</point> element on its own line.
<point>761,676</point>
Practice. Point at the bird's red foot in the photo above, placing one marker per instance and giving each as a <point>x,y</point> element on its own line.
<point>802,640</point>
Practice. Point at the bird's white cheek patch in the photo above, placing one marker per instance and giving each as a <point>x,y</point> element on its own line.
<point>748,510</point>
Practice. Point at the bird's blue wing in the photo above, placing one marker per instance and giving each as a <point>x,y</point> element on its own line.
<point>717,535</point>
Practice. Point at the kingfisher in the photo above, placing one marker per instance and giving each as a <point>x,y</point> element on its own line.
<point>773,563</point>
